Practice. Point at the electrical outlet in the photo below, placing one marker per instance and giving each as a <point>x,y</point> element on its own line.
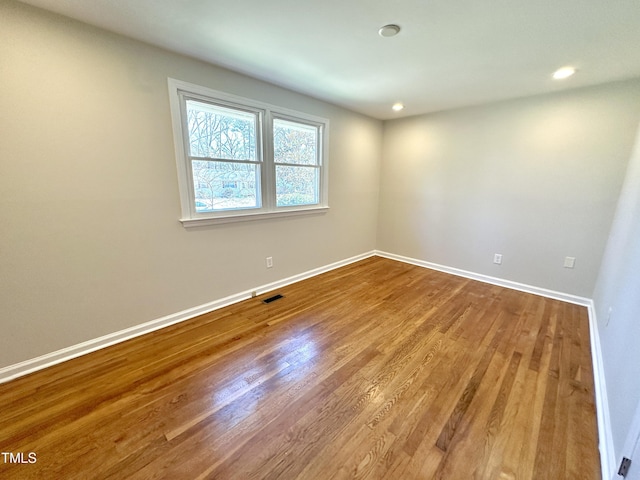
<point>569,262</point>
<point>497,258</point>
<point>269,262</point>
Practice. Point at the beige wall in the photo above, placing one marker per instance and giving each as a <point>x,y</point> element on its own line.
<point>90,241</point>
<point>534,179</point>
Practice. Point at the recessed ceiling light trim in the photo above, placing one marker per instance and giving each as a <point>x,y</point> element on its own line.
<point>397,107</point>
<point>390,30</point>
<point>564,72</point>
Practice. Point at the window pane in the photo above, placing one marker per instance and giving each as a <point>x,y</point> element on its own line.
<point>295,143</point>
<point>218,132</point>
<point>296,186</point>
<point>223,185</point>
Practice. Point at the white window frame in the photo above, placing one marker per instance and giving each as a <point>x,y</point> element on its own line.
<point>178,91</point>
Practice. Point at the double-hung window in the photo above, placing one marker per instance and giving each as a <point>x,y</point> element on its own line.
<point>240,159</point>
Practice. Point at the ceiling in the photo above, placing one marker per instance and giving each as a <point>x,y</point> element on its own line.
<point>448,54</point>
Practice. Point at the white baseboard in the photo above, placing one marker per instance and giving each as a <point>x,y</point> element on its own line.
<point>605,444</point>
<point>602,407</point>
<point>565,297</point>
<point>32,365</point>
<point>607,453</point>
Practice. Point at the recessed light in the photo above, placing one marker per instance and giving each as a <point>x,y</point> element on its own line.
<point>397,107</point>
<point>564,72</point>
<point>389,30</point>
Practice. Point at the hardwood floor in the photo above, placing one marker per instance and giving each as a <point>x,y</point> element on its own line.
<point>376,370</point>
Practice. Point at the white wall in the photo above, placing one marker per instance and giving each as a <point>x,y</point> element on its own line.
<point>618,288</point>
<point>535,179</point>
<point>90,241</point>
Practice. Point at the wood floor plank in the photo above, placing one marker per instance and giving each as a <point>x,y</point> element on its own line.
<point>378,370</point>
<point>449,430</point>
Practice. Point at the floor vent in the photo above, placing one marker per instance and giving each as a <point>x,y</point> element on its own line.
<point>272,299</point>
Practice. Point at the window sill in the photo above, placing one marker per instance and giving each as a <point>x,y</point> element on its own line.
<point>246,217</point>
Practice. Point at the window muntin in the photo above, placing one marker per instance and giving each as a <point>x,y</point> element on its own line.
<point>242,159</point>
<point>296,153</point>
<point>295,143</point>
<point>296,185</point>
<point>220,132</point>
<point>223,153</point>
<point>225,185</point>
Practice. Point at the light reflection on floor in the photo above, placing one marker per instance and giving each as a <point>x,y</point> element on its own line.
<point>289,365</point>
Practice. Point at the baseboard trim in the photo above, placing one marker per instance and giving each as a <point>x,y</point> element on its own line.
<point>605,439</point>
<point>607,453</point>
<point>21,369</point>
<point>605,435</point>
<point>565,297</point>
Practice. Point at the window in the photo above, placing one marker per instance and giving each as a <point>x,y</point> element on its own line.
<point>295,155</point>
<point>240,159</point>
<point>222,151</point>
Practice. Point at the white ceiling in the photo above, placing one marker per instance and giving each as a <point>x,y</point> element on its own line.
<point>448,54</point>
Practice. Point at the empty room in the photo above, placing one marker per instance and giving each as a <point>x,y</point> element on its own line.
<point>296,240</point>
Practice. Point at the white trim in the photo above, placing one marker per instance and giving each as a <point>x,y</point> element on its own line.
<point>605,443</point>
<point>29,366</point>
<point>175,107</point>
<point>632,442</point>
<point>265,113</point>
<point>565,297</point>
<point>243,217</point>
<point>605,439</point>
<point>607,454</point>
<point>12,372</point>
